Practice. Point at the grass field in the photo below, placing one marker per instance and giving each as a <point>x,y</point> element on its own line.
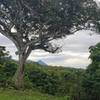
<point>27,95</point>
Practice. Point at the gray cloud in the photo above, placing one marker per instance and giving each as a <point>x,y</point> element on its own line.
<point>80,42</point>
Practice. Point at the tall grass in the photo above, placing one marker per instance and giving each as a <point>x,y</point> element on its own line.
<point>6,94</point>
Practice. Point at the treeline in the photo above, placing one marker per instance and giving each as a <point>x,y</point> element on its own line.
<point>78,84</point>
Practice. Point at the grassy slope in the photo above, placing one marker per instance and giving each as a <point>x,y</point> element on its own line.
<point>27,95</point>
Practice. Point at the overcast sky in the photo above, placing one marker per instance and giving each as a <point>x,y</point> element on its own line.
<point>74,52</point>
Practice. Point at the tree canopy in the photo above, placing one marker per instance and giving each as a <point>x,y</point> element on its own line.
<point>35,23</point>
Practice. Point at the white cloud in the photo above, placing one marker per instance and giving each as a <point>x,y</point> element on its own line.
<point>97,0</point>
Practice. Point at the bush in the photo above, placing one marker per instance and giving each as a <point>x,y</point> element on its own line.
<point>44,82</point>
<point>54,81</point>
<point>7,72</point>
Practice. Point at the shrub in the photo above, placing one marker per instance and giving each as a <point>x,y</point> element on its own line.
<point>6,73</point>
<point>44,82</point>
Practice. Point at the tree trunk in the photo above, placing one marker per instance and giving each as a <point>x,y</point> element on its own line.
<point>19,75</point>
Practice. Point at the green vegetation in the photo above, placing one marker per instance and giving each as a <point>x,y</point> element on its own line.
<point>91,80</point>
<point>51,83</point>
<point>27,95</point>
<point>51,80</point>
<point>55,81</point>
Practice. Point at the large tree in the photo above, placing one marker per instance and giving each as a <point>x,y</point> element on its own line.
<point>33,24</point>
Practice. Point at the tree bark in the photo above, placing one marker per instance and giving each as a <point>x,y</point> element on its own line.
<point>19,75</point>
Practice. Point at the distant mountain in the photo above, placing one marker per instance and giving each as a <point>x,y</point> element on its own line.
<point>42,63</point>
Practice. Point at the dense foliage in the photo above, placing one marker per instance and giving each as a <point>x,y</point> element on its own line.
<point>4,55</point>
<point>51,80</point>
<point>91,80</point>
<point>7,67</point>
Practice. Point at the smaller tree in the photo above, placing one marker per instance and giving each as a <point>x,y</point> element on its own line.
<point>91,80</point>
<point>3,54</point>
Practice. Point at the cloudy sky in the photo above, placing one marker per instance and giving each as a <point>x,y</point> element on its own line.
<point>74,52</point>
